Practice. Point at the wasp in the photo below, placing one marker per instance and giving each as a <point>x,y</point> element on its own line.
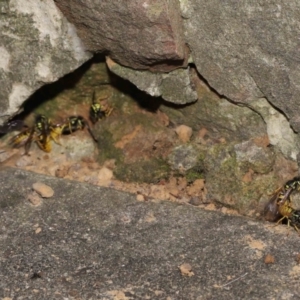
<point>99,111</point>
<point>271,211</point>
<point>288,212</point>
<point>75,123</point>
<point>42,132</point>
<point>49,132</point>
<point>26,136</point>
<point>279,206</point>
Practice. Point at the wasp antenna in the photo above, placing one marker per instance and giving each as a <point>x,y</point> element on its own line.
<point>94,97</point>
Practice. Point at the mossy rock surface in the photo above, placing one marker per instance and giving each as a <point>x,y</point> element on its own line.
<point>233,185</point>
<point>148,171</point>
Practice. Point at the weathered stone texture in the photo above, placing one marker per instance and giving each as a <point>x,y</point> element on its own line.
<point>248,49</point>
<point>37,46</point>
<point>135,33</point>
<point>237,179</point>
<point>175,86</point>
<point>220,117</point>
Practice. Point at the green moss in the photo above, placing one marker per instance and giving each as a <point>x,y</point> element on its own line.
<point>194,174</point>
<point>229,166</point>
<point>222,170</point>
<point>253,191</point>
<point>107,150</point>
<point>197,172</point>
<point>148,171</point>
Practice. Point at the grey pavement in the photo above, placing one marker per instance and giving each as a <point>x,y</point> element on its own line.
<point>89,242</point>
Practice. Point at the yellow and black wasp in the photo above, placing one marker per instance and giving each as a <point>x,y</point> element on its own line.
<point>99,111</point>
<point>280,207</point>
<point>74,123</point>
<point>36,133</point>
<point>42,132</point>
<point>288,213</point>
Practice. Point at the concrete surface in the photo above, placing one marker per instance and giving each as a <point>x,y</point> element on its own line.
<point>88,242</point>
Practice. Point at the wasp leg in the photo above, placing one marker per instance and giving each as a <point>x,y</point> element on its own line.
<point>29,141</point>
<point>297,229</point>
<point>276,191</point>
<point>70,128</point>
<point>56,141</point>
<point>94,97</point>
<point>280,220</point>
<point>109,111</point>
<point>56,132</point>
<point>289,225</point>
<point>45,145</point>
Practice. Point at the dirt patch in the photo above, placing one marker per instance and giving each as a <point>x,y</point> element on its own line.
<point>61,164</point>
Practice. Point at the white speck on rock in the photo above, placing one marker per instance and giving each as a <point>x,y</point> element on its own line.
<point>4,59</point>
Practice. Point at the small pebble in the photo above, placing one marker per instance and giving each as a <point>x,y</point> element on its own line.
<point>104,176</point>
<point>140,197</point>
<point>42,189</point>
<point>61,172</point>
<point>184,132</point>
<point>186,270</point>
<point>269,259</point>
<point>38,230</point>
